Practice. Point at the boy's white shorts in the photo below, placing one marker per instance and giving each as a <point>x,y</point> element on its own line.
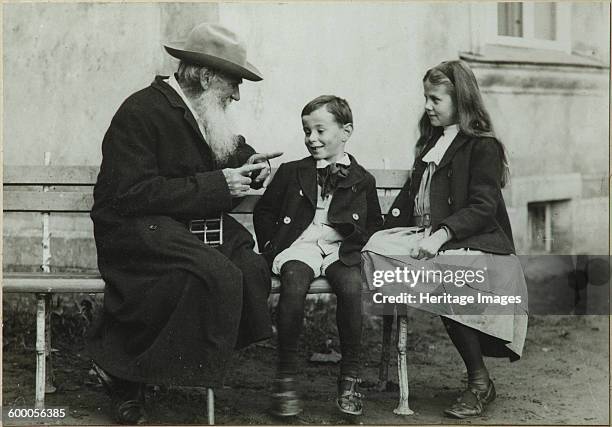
<point>316,255</point>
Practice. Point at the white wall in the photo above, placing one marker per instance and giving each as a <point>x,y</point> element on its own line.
<point>374,55</point>
<point>68,66</point>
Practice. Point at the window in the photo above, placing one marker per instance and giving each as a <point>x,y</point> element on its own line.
<point>530,24</point>
<point>549,226</point>
<point>540,227</point>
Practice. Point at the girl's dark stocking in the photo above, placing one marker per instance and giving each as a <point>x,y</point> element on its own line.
<point>467,342</point>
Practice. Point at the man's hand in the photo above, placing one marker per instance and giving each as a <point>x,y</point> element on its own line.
<point>238,179</point>
<point>429,246</point>
<point>264,158</point>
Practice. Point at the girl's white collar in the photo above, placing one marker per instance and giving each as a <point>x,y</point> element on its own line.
<point>451,129</point>
<point>437,151</point>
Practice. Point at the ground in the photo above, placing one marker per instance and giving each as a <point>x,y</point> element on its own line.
<point>563,378</point>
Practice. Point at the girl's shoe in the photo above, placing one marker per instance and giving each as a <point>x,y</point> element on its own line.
<point>285,400</point>
<point>472,402</point>
<point>127,397</point>
<point>349,399</point>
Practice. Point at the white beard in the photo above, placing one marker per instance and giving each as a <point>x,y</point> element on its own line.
<point>216,124</point>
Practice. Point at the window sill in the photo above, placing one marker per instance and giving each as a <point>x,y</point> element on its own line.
<point>497,54</point>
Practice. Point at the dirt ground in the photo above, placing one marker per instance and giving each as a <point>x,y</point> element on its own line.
<point>563,378</point>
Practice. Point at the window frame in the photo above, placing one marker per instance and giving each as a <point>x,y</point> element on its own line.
<point>562,40</point>
<point>545,243</point>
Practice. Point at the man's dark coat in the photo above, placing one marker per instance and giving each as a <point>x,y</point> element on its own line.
<point>174,308</point>
<point>465,196</point>
<point>288,206</point>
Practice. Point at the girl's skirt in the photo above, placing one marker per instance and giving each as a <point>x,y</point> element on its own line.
<point>483,291</point>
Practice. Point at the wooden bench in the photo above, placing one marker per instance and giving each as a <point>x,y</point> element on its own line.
<point>68,189</point>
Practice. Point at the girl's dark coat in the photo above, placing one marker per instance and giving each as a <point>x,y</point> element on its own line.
<point>288,206</point>
<point>465,196</point>
<point>174,308</point>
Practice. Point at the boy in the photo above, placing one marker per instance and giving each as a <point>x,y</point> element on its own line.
<point>314,218</point>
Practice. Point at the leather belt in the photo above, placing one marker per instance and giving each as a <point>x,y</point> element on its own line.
<point>208,230</point>
<point>421,220</point>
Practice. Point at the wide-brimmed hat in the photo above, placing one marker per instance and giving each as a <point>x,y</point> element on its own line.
<point>214,46</point>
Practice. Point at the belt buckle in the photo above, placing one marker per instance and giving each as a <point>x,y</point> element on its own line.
<point>210,231</point>
<point>426,220</point>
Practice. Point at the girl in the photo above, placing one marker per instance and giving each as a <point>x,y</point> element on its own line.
<point>453,206</point>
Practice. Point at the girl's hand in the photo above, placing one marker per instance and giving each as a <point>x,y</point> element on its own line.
<point>429,246</point>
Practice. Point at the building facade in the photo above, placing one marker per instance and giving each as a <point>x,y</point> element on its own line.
<point>543,69</point>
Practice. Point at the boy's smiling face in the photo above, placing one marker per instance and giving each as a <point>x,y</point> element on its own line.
<point>324,137</point>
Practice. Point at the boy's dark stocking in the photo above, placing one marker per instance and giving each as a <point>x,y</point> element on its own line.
<point>296,277</point>
<point>346,284</point>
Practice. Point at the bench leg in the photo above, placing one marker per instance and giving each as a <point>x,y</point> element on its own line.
<point>49,377</point>
<point>402,366</point>
<point>383,370</point>
<point>210,400</point>
<point>39,401</point>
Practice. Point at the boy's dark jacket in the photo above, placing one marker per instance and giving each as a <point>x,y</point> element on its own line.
<point>288,206</point>
<point>465,196</point>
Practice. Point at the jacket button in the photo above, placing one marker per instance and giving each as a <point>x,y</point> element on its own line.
<point>153,227</point>
<point>450,200</point>
<point>355,217</point>
<point>301,193</point>
<point>450,173</point>
<point>287,220</point>
<point>395,212</point>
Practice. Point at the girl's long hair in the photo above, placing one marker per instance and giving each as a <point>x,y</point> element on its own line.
<point>474,120</point>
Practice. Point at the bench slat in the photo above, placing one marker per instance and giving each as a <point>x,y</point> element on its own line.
<point>82,201</point>
<point>248,204</point>
<point>75,201</point>
<point>40,284</point>
<point>93,283</point>
<point>51,201</point>
<point>390,178</point>
<point>86,175</point>
<point>50,175</point>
